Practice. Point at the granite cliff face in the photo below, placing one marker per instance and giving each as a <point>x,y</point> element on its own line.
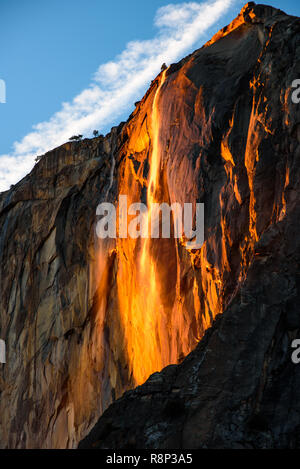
<point>85,320</point>
<point>47,291</point>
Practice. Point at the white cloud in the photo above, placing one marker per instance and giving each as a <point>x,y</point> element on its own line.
<point>115,85</point>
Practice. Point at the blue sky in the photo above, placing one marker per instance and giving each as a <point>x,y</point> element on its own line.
<point>50,52</point>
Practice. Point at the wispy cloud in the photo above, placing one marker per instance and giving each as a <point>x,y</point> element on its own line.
<point>115,85</point>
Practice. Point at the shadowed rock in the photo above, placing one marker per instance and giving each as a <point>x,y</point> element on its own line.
<point>78,328</point>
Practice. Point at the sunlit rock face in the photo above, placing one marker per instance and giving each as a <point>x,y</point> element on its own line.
<point>51,383</point>
<point>86,319</point>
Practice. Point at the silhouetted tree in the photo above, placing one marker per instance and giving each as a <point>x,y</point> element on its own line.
<point>76,137</point>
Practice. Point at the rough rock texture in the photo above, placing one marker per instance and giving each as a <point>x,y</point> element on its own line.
<point>239,388</point>
<point>86,320</point>
<point>47,291</point>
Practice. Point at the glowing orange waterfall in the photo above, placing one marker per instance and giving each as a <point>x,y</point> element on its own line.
<point>160,316</point>
<point>167,296</point>
<point>141,310</point>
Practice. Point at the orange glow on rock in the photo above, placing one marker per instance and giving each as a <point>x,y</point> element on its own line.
<point>142,311</point>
